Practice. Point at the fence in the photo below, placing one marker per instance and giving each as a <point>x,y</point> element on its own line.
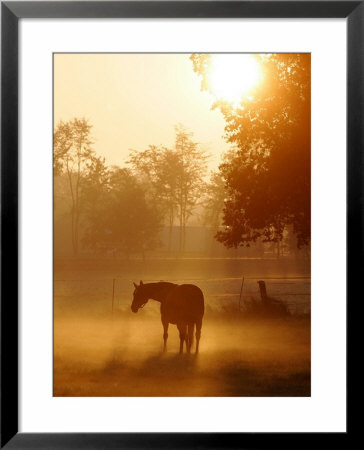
<point>220,293</point>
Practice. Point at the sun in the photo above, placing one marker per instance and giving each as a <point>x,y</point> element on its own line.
<point>233,76</point>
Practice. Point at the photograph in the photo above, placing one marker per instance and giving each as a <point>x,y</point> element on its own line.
<point>181,224</point>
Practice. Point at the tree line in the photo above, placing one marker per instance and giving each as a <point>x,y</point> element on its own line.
<point>125,207</point>
<point>260,192</point>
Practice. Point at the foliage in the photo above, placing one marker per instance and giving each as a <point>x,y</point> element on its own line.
<point>156,168</point>
<point>72,153</point>
<point>175,178</point>
<point>120,218</point>
<point>268,177</point>
<point>215,199</point>
<point>190,178</point>
<point>112,204</point>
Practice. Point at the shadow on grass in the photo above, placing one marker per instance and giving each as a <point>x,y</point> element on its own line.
<point>163,374</point>
<point>167,365</point>
<point>242,380</point>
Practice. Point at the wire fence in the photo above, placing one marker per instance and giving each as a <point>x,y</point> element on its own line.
<point>219,292</point>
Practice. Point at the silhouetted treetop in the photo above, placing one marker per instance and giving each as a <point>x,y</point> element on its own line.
<point>175,177</point>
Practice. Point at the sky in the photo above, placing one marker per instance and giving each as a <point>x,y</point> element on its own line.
<point>135,100</point>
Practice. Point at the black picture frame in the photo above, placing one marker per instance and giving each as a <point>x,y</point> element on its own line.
<point>11,12</point>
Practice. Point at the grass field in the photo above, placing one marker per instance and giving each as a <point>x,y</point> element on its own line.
<point>98,352</point>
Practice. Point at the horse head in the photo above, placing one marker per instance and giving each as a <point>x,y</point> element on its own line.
<point>140,298</point>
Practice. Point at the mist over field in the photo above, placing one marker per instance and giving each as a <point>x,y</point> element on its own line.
<point>100,352</point>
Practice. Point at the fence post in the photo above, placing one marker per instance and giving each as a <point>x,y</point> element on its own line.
<point>241,291</point>
<point>113,295</point>
<point>263,291</point>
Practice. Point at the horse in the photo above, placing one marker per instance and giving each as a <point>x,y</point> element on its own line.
<point>181,305</point>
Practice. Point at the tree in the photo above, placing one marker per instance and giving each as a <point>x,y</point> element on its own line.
<point>268,178</point>
<point>156,167</point>
<point>215,200</point>
<point>190,178</point>
<point>175,179</point>
<point>123,220</point>
<point>72,153</point>
<point>94,197</point>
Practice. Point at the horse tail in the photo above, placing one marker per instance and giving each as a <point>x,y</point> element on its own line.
<point>198,332</point>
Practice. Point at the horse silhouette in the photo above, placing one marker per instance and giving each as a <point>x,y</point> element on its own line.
<point>181,305</point>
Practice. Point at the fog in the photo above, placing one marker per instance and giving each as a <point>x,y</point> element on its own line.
<point>102,349</point>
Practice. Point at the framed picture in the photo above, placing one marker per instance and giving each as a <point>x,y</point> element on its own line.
<point>180,221</point>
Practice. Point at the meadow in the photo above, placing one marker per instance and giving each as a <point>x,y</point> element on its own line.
<point>102,349</point>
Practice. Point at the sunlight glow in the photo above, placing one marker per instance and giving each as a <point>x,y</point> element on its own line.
<point>233,76</point>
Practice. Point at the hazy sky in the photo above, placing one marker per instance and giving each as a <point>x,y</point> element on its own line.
<point>133,100</point>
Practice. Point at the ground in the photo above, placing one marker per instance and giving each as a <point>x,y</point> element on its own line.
<point>102,349</point>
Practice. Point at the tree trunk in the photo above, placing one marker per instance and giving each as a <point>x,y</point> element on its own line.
<point>74,250</point>
<point>180,232</point>
<point>170,230</point>
<point>76,231</point>
<point>73,209</point>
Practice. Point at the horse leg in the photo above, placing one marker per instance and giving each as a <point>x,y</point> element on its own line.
<point>190,328</point>
<point>165,334</point>
<point>198,333</point>
<point>182,335</point>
